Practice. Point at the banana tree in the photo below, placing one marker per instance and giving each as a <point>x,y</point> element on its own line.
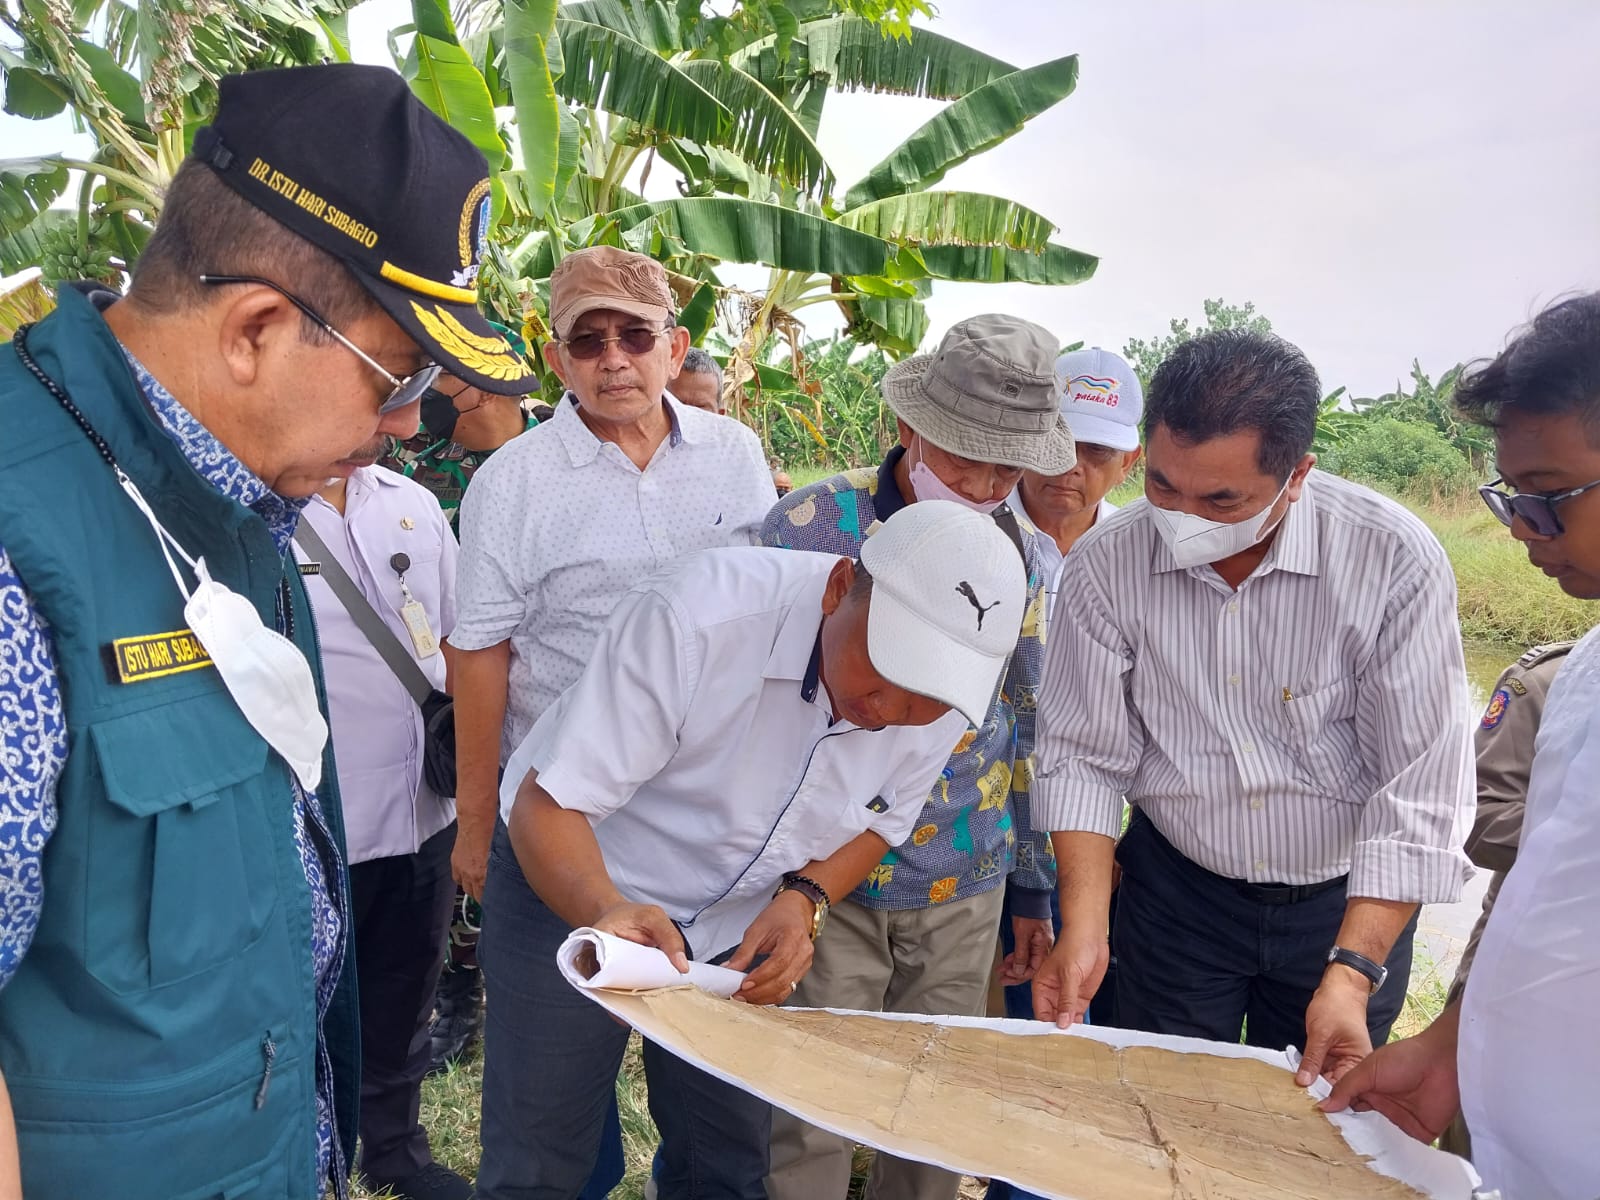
<point>599,91</point>
<point>139,77</point>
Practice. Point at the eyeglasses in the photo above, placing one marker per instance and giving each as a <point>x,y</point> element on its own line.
<point>1538,512</point>
<point>635,341</point>
<point>405,391</point>
<point>1096,455</point>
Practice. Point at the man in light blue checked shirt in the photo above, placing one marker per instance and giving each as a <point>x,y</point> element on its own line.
<point>919,934</point>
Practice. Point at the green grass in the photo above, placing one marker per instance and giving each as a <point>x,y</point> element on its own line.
<point>1425,998</point>
<point>450,1105</point>
<point>1502,597</point>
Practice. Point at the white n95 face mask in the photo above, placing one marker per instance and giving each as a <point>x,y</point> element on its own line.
<point>1195,541</point>
<point>265,673</point>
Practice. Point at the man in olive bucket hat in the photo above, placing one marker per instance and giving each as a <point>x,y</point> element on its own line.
<point>918,935</point>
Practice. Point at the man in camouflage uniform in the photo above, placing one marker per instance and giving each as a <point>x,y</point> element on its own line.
<point>461,427</point>
<point>1504,745</point>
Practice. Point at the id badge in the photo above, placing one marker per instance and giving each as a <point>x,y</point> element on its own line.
<point>422,636</point>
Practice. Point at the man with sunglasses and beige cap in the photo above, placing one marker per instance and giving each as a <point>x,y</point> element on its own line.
<point>555,529</point>
<point>177,999</point>
<point>918,934</point>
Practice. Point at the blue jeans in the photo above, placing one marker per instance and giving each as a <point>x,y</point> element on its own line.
<point>551,1058</point>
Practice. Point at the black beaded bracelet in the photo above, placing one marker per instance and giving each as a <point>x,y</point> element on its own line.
<point>793,881</point>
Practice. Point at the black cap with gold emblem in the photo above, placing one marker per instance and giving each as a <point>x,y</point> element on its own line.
<point>346,157</point>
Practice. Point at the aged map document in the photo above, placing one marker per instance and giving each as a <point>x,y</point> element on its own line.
<point>1069,1116</point>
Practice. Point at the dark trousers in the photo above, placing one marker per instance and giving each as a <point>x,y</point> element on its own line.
<point>1019,996</point>
<point>1202,956</point>
<point>551,1057</point>
<point>399,916</point>
<point>1019,1007</point>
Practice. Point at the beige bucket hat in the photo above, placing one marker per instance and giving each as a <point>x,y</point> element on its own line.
<point>988,393</point>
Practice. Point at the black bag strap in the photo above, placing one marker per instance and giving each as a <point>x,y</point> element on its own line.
<point>1007,520</point>
<point>383,639</point>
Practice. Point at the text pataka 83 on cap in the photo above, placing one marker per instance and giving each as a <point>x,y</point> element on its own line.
<point>345,156</point>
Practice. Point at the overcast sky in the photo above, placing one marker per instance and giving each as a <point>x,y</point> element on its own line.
<point>1384,180</point>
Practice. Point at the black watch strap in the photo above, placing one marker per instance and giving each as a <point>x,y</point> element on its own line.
<point>1376,973</point>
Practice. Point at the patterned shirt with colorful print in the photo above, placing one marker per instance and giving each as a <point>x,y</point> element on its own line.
<point>975,829</point>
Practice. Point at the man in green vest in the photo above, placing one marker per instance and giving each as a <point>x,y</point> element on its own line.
<point>177,1008</point>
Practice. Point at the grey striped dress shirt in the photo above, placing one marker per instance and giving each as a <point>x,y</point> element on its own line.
<point>1309,724</point>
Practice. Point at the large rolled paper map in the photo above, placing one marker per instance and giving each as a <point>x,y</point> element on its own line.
<point>1073,1116</point>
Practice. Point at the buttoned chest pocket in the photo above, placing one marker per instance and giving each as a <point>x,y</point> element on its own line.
<point>179,865</point>
<point>1322,738</point>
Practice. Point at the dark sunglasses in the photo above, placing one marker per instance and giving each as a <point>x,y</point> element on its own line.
<point>405,391</point>
<point>1538,512</point>
<point>635,341</point>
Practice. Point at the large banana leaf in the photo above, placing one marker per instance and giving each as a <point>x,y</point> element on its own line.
<point>24,304</point>
<point>745,231</point>
<point>978,121</point>
<point>856,56</point>
<point>28,186</point>
<point>30,93</point>
<point>119,86</point>
<point>444,78</point>
<point>533,63</point>
<point>607,69</point>
<point>1055,265</point>
<point>651,22</point>
<point>764,133</point>
<point>954,218</point>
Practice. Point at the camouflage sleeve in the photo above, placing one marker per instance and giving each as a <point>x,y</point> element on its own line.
<point>1033,876</point>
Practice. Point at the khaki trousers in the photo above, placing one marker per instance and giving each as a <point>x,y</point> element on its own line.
<point>921,960</point>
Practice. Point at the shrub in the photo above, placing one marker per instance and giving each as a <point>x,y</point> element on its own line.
<point>1402,457</point>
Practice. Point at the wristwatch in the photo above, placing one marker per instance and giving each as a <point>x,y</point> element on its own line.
<point>812,890</point>
<point>1376,973</point>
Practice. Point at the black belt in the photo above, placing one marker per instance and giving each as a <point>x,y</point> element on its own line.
<point>1260,893</point>
<point>1283,893</point>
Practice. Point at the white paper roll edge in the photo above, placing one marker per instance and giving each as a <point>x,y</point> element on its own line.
<point>593,961</point>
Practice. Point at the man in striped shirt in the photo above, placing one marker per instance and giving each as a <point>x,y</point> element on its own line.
<point>1265,661</point>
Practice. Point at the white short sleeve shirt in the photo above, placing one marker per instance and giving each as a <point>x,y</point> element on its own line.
<point>558,524</point>
<point>706,771</point>
<point>1527,1054</point>
<point>375,724</point>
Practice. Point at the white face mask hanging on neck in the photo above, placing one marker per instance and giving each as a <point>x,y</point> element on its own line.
<point>928,486</point>
<point>265,673</point>
<point>1195,541</point>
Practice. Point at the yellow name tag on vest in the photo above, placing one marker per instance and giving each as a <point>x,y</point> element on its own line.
<point>153,655</point>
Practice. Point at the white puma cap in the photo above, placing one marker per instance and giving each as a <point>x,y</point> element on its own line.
<point>948,593</point>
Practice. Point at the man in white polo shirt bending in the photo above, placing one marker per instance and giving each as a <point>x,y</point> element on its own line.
<point>754,730</point>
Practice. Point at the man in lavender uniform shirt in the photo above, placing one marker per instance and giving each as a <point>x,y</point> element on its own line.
<point>391,538</point>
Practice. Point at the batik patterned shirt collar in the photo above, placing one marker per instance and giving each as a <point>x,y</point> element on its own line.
<point>216,464</point>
